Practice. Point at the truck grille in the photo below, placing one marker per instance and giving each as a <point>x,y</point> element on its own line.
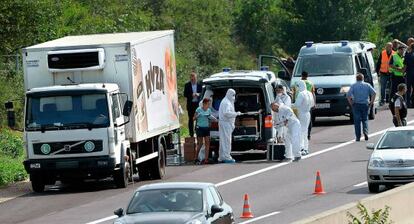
<point>72,147</point>
<point>399,163</point>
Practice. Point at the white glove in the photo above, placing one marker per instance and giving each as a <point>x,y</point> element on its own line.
<point>239,113</point>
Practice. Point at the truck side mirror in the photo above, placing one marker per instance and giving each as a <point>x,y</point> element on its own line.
<point>283,75</point>
<point>11,118</point>
<point>127,108</point>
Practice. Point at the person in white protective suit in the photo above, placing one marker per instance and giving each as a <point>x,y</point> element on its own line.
<point>303,103</point>
<point>289,120</point>
<point>227,117</point>
<point>282,98</point>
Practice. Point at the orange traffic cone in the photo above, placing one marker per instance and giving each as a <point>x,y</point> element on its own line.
<point>246,208</point>
<point>318,184</point>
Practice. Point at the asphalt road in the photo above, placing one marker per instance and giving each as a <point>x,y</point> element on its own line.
<point>280,191</point>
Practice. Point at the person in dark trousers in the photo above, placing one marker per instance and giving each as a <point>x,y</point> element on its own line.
<point>192,91</point>
<point>409,72</point>
<point>383,70</point>
<point>397,69</point>
<point>399,107</point>
<point>361,97</point>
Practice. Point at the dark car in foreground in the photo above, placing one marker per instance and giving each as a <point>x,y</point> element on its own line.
<point>176,203</point>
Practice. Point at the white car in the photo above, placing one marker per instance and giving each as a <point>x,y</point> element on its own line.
<point>392,161</point>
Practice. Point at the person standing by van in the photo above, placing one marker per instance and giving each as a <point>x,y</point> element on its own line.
<point>304,102</point>
<point>383,69</point>
<point>361,97</point>
<point>397,69</point>
<point>192,91</point>
<point>409,68</point>
<point>202,117</point>
<point>311,88</point>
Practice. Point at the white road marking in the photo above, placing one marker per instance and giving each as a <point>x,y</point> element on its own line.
<point>103,220</point>
<point>361,184</point>
<point>271,168</point>
<point>259,218</point>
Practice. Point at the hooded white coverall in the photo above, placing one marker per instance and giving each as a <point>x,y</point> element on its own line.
<point>292,139</point>
<point>304,102</point>
<point>227,117</point>
<point>283,98</point>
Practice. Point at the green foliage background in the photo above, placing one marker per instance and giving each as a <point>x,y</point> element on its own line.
<point>209,34</point>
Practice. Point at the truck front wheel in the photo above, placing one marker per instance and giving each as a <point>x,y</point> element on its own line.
<point>122,175</point>
<point>38,185</point>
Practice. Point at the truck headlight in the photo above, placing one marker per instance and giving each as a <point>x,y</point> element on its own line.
<point>345,89</point>
<point>376,162</point>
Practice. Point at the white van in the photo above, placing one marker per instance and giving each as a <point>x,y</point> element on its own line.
<point>332,68</point>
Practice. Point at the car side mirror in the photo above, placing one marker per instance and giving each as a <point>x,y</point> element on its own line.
<point>119,212</point>
<point>127,108</point>
<point>283,75</point>
<point>215,209</point>
<point>370,146</point>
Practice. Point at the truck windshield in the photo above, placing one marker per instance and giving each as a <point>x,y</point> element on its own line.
<point>325,65</point>
<point>45,112</point>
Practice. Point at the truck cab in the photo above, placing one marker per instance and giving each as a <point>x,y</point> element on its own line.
<point>332,68</point>
<point>84,121</point>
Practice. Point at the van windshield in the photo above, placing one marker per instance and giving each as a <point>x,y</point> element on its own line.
<point>66,110</point>
<point>325,65</point>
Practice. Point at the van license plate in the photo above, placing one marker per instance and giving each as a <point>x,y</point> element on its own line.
<point>323,105</point>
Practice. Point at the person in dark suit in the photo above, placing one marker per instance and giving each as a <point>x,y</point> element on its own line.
<point>192,91</point>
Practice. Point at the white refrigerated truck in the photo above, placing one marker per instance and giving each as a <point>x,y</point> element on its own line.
<point>99,106</point>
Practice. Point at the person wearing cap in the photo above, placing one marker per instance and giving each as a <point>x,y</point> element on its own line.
<point>383,70</point>
<point>409,71</point>
<point>396,44</point>
<point>397,69</point>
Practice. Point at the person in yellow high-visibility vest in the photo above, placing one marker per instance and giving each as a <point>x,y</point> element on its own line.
<point>397,69</point>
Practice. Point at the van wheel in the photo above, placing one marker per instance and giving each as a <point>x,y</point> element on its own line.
<point>38,185</point>
<point>158,164</point>
<point>373,188</point>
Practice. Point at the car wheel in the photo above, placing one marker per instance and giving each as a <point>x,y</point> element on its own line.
<point>373,188</point>
<point>38,185</point>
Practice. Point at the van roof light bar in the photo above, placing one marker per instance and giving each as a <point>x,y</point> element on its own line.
<point>309,43</point>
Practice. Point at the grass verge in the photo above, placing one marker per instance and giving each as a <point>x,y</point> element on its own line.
<point>11,157</point>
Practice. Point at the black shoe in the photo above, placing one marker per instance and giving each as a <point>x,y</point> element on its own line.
<point>357,140</point>
<point>366,137</point>
<point>309,137</point>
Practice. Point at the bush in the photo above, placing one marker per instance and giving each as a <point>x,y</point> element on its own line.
<point>11,157</point>
<point>380,216</point>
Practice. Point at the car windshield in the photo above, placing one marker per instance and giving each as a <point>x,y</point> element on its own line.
<point>166,200</point>
<point>325,65</point>
<point>89,110</point>
<point>397,140</point>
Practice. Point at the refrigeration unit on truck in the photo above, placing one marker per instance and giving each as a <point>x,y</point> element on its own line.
<point>99,106</point>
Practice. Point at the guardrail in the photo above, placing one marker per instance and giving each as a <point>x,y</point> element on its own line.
<point>399,200</point>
